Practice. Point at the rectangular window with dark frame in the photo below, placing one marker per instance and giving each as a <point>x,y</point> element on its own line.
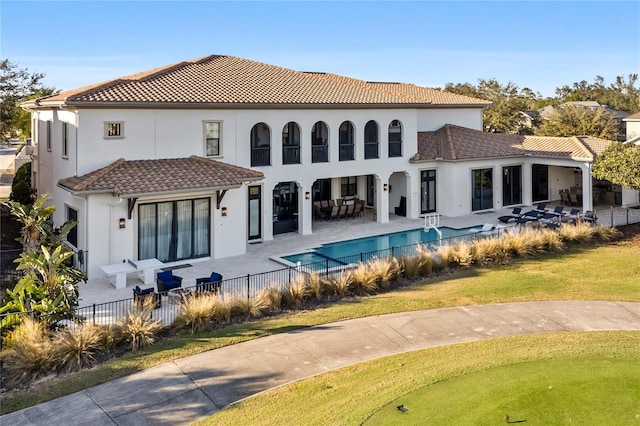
<point>65,140</point>
<point>72,236</point>
<point>113,130</point>
<point>348,186</point>
<point>212,138</point>
<point>48,135</point>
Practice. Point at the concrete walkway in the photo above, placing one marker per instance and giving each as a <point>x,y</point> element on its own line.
<point>191,388</point>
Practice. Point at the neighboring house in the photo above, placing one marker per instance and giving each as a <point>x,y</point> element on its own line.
<point>617,115</point>
<point>633,127</point>
<point>200,158</point>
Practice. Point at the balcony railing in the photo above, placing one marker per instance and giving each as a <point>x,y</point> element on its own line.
<point>261,156</point>
<point>371,150</point>
<point>395,149</point>
<point>346,152</point>
<point>319,153</point>
<point>291,154</point>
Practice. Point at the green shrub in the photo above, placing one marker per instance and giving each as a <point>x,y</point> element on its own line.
<point>21,190</point>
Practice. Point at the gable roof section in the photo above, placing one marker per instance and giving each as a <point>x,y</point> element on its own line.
<point>124,178</point>
<point>230,81</point>
<point>455,143</point>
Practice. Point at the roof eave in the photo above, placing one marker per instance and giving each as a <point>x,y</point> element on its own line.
<point>112,191</point>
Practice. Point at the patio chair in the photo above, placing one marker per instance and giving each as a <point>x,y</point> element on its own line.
<point>167,281</point>
<point>334,212</point>
<point>140,296</point>
<point>357,210</point>
<point>573,199</point>
<point>342,212</point>
<point>589,216</point>
<point>487,227</point>
<point>564,197</point>
<point>350,209</point>
<point>541,208</point>
<point>211,283</point>
<point>401,210</point>
<point>530,216</point>
<point>556,213</point>
<point>515,214</point>
<point>571,217</point>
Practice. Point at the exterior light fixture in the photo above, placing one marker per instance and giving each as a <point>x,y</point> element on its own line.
<point>224,211</point>
<point>307,195</point>
<point>385,187</point>
<point>122,223</point>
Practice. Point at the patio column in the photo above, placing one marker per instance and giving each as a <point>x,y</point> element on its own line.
<point>587,188</point>
<point>382,200</point>
<point>305,210</point>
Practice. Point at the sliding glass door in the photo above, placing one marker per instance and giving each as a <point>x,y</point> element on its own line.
<point>511,185</point>
<point>174,230</point>
<point>482,187</point>
<point>540,182</point>
<point>428,191</point>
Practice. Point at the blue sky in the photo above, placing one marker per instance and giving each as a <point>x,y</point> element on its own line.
<point>539,44</point>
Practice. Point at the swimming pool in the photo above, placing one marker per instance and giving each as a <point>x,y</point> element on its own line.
<point>350,251</point>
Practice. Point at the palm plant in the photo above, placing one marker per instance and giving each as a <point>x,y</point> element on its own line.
<point>33,219</point>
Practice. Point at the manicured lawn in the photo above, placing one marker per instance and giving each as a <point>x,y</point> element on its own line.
<point>568,378</point>
<point>596,273</point>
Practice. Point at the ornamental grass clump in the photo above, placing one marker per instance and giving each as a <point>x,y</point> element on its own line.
<point>490,250</point>
<point>363,280</point>
<point>294,294</point>
<point>518,245</point>
<point>445,258</point>
<point>462,254</point>
<point>77,349</point>
<point>138,328</point>
<point>270,298</point>
<point>425,256</point>
<point>409,266</point>
<point>247,308</point>
<point>383,271</point>
<point>198,312</point>
<point>30,354</point>
<point>340,284</point>
<point>316,287</point>
<point>605,233</point>
<point>552,240</point>
<point>578,233</point>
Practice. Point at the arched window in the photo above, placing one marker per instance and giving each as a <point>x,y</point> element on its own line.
<point>346,142</point>
<point>260,145</point>
<point>395,139</point>
<point>371,141</point>
<point>291,143</point>
<point>319,143</point>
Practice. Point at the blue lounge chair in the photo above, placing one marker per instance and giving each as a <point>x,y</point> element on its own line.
<point>167,281</point>
<point>211,283</point>
<point>515,214</point>
<point>555,214</point>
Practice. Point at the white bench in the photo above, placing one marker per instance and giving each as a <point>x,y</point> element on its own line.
<point>146,269</point>
<point>117,273</point>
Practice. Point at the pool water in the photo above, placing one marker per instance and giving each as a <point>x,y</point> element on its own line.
<point>342,249</point>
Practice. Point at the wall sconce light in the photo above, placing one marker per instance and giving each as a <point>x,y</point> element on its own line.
<point>385,187</point>
<point>224,211</point>
<point>122,223</point>
<point>307,195</point>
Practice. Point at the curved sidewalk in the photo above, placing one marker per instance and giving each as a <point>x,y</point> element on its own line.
<point>188,389</point>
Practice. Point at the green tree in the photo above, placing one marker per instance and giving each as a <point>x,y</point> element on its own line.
<point>49,291</point>
<point>505,115</point>
<point>571,121</point>
<point>619,164</point>
<point>21,190</point>
<point>33,218</point>
<point>16,85</point>
<point>623,94</point>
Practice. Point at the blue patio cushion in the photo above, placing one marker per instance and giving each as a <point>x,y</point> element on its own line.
<point>215,277</point>
<point>165,276</point>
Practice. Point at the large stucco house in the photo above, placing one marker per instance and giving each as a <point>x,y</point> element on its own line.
<point>200,158</point>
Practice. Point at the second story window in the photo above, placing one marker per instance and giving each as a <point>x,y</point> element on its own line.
<point>212,138</point>
<point>371,140</point>
<point>113,130</point>
<point>260,145</point>
<point>319,143</point>
<point>346,142</point>
<point>291,143</point>
<point>48,136</point>
<point>65,140</point>
<point>395,139</point>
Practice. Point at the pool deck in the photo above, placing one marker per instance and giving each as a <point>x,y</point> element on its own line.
<point>259,255</point>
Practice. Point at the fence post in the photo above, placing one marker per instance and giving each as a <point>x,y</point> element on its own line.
<point>627,210</point>
<point>290,275</point>
<point>248,287</point>
<point>361,257</point>
<point>326,268</point>
<point>93,315</point>
<point>393,252</point>
<point>611,216</point>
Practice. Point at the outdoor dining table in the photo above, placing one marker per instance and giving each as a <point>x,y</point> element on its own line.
<point>117,273</point>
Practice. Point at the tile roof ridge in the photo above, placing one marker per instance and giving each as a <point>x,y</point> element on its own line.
<point>449,140</point>
<point>165,69</point>
<point>98,174</point>
<point>583,145</point>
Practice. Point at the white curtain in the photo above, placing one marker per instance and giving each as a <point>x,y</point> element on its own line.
<point>147,231</point>
<point>183,248</point>
<point>165,225</point>
<point>201,232</point>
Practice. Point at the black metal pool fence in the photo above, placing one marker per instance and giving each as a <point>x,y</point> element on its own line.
<point>250,285</point>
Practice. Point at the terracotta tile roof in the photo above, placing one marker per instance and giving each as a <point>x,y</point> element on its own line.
<point>227,80</point>
<point>453,143</point>
<point>632,117</point>
<point>144,177</point>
